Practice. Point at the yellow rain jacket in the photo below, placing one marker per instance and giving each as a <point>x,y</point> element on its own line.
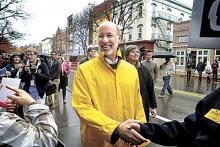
<point>103,97</point>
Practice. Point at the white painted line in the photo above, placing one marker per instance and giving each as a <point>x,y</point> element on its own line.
<point>162,118</point>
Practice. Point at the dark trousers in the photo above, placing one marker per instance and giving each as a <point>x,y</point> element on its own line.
<point>63,84</point>
<point>188,74</point>
<point>214,74</point>
<point>200,75</point>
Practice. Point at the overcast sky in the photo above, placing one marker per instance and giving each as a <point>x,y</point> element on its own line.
<point>47,15</point>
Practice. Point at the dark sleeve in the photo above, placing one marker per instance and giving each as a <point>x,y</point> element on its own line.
<point>12,70</point>
<point>150,89</point>
<point>155,72</point>
<point>25,76</point>
<point>43,76</point>
<point>114,137</point>
<point>8,67</point>
<point>170,133</point>
<point>58,70</point>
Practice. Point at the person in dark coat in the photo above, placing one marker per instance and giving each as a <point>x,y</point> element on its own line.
<point>200,68</point>
<point>215,70</point>
<point>35,76</point>
<point>91,53</point>
<point>14,68</point>
<point>200,129</point>
<point>188,69</point>
<point>132,55</point>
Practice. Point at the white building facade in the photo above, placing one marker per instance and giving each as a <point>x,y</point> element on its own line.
<point>46,45</point>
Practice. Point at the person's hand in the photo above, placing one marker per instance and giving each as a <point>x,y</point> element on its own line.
<point>10,105</point>
<point>21,97</point>
<point>134,126</point>
<point>2,104</point>
<point>27,68</point>
<point>20,65</point>
<point>130,135</point>
<point>8,73</point>
<point>153,112</point>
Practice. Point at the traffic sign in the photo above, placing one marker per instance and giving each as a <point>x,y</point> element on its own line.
<point>205,24</point>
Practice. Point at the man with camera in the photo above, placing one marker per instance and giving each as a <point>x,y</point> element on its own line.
<point>35,76</point>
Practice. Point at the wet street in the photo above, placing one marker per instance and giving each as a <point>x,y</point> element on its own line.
<point>181,103</point>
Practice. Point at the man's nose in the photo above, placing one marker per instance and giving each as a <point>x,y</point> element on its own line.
<point>105,39</point>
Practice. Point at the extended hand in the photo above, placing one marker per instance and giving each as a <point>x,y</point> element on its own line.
<point>153,112</point>
<point>129,135</point>
<point>21,97</point>
<point>134,126</point>
<point>10,105</point>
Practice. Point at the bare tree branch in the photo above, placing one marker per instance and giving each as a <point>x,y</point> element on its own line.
<point>10,11</point>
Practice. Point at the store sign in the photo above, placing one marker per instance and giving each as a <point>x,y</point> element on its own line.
<point>188,50</point>
<point>205,24</point>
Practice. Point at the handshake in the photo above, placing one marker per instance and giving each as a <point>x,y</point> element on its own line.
<point>129,132</point>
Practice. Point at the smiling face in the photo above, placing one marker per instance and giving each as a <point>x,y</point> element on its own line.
<point>16,59</point>
<point>133,55</point>
<point>108,38</point>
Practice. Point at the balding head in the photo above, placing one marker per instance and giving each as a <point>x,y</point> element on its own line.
<point>108,38</point>
<point>110,24</point>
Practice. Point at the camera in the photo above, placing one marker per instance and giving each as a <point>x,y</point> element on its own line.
<point>31,68</point>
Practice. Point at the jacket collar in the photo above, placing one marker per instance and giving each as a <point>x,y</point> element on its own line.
<point>101,54</point>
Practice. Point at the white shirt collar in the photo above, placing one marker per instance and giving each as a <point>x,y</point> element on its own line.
<point>111,62</point>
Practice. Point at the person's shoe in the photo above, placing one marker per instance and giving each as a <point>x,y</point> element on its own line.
<point>170,94</point>
<point>52,106</point>
<point>48,104</point>
<point>160,96</point>
<point>64,101</point>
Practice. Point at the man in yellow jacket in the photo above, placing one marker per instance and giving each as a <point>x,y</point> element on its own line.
<point>106,93</point>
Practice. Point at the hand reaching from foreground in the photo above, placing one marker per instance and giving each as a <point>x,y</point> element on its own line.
<point>134,126</point>
<point>129,135</point>
<point>10,105</point>
<point>21,97</point>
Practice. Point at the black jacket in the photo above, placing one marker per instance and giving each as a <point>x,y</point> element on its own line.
<point>41,79</point>
<point>147,89</point>
<point>12,69</point>
<point>54,69</point>
<point>197,130</point>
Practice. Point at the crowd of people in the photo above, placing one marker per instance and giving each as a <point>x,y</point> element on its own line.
<point>112,96</point>
<point>30,104</point>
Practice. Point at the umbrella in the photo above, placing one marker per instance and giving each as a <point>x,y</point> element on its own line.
<point>163,55</point>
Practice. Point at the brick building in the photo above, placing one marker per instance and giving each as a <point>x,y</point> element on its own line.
<point>183,53</point>
<point>61,41</point>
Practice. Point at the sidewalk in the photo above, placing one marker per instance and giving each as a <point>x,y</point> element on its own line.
<point>67,122</point>
<point>179,82</point>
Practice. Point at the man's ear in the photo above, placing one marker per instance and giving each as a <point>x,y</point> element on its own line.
<point>119,38</point>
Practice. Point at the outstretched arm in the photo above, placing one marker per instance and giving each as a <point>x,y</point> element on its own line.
<point>38,128</point>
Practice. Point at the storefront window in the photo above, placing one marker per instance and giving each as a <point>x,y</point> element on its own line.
<point>180,56</point>
<point>202,55</point>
